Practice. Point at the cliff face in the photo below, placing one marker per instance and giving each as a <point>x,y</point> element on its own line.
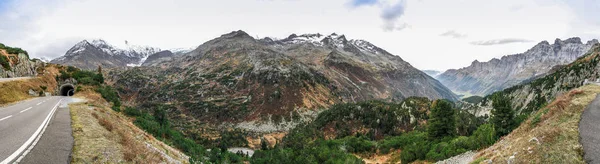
<point>482,78</point>
<point>18,65</point>
<point>531,96</point>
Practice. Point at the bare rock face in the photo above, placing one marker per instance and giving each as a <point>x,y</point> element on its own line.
<point>20,66</point>
<point>482,78</point>
<point>158,57</point>
<point>91,54</point>
<point>273,84</point>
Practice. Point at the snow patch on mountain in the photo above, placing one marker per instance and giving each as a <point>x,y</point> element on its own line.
<point>89,54</point>
<point>334,40</point>
<point>127,49</point>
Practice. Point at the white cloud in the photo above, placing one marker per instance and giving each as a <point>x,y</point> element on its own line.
<point>500,41</point>
<point>393,26</point>
<point>49,27</point>
<point>453,34</point>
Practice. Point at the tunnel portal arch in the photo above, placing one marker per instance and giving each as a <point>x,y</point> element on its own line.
<point>67,90</point>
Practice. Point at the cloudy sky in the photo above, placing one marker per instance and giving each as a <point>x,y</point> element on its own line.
<point>430,34</point>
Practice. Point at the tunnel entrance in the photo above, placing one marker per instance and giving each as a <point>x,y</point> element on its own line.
<point>67,90</point>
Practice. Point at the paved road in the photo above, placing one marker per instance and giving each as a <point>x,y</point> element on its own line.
<point>589,130</point>
<point>13,79</point>
<point>21,125</point>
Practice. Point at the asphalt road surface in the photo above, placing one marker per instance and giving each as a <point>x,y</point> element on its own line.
<point>589,131</point>
<point>35,131</point>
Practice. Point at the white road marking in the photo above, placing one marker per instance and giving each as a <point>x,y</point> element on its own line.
<point>39,103</point>
<point>25,110</point>
<point>36,136</point>
<point>2,119</point>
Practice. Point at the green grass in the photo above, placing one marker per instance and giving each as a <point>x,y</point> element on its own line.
<point>4,62</point>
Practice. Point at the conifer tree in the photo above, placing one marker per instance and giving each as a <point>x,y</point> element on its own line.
<point>503,117</point>
<point>441,120</point>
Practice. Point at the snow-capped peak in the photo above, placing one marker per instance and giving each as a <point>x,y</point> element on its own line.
<point>304,38</point>
<point>77,48</point>
<point>126,49</point>
<point>333,40</point>
<point>364,45</point>
<point>136,53</point>
<point>180,51</point>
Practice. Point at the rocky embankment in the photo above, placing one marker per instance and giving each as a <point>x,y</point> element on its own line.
<point>19,66</point>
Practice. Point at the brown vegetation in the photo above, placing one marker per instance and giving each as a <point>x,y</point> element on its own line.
<point>549,136</point>
<point>104,136</point>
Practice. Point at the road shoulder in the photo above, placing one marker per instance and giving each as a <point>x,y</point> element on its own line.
<point>589,130</point>
<point>56,144</point>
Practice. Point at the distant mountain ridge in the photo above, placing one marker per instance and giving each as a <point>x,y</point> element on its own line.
<point>432,73</point>
<point>91,54</point>
<point>482,78</point>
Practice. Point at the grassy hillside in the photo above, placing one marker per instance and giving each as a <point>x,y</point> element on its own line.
<point>105,136</point>
<point>549,136</point>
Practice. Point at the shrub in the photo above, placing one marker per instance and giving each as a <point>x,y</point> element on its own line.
<point>463,142</point>
<point>484,136</point>
<point>82,76</point>
<point>133,112</point>
<point>401,141</point>
<point>87,81</point>
<point>4,62</point>
<point>116,108</point>
<point>359,144</point>
<point>106,124</point>
<point>110,95</point>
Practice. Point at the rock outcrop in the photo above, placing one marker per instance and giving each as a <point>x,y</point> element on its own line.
<point>158,57</point>
<point>19,65</point>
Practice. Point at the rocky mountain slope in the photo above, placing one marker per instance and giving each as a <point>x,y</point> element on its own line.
<point>15,62</point>
<point>158,58</point>
<point>166,55</point>
<point>531,96</point>
<point>482,78</point>
<point>269,85</point>
<point>91,54</point>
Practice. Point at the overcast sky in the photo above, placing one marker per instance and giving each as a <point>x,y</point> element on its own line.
<point>430,34</point>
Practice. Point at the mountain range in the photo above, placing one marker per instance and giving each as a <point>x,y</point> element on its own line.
<point>267,85</point>
<point>482,78</point>
<point>91,54</point>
